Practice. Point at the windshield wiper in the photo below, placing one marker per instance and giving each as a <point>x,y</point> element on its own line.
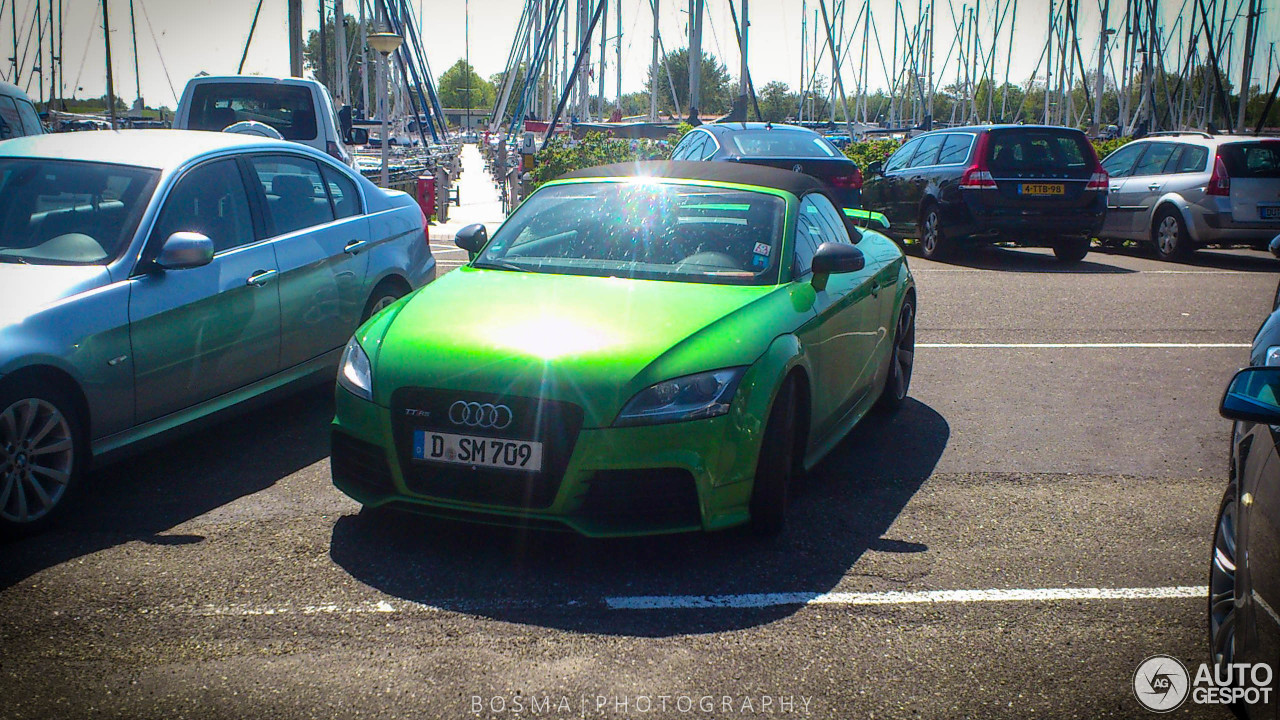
<point>498,265</point>
<point>4,257</point>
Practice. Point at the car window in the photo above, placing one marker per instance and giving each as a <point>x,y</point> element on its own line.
<point>1120,162</point>
<point>688,147</point>
<point>209,200</point>
<point>651,230</point>
<point>1191,159</point>
<point>1022,150</point>
<point>69,213</point>
<point>1260,159</point>
<point>709,148</point>
<point>287,108</point>
<point>1154,159</point>
<point>831,220</point>
<point>346,199</point>
<point>782,143</point>
<point>927,153</point>
<point>30,119</point>
<point>816,223</point>
<point>956,149</point>
<point>296,197</point>
<point>899,159</point>
<point>10,123</point>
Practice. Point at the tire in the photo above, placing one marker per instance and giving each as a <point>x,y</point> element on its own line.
<point>934,243</point>
<point>897,385</point>
<point>1170,237</point>
<point>1071,250</point>
<point>771,492</point>
<point>42,454</point>
<point>1224,603</point>
<point>387,292</point>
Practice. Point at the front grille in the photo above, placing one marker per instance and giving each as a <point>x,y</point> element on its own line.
<point>662,496</point>
<point>360,464</point>
<point>554,424</point>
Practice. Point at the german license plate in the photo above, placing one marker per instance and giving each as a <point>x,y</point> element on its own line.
<point>1269,212</point>
<point>477,451</point>
<point>1042,189</point>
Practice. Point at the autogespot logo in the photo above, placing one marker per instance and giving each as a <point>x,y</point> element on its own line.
<point>1161,683</point>
<point>480,415</point>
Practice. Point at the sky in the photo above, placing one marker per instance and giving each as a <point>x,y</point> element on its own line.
<point>176,39</point>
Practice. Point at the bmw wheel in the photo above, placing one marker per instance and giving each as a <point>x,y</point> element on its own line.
<point>1169,233</point>
<point>903,359</point>
<point>934,244</point>
<point>771,494</point>
<point>39,457</point>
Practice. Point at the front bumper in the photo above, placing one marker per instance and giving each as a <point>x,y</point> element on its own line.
<point>644,480</point>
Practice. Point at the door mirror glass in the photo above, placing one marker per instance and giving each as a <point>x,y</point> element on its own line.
<point>875,168</point>
<point>472,238</point>
<point>358,136</point>
<point>1253,396</point>
<point>183,250</point>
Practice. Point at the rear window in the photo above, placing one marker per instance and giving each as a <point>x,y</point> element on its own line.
<point>1038,150</point>
<point>55,212</point>
<point>1252,159</point>
<point>287,108</point>
<point>782,143</point>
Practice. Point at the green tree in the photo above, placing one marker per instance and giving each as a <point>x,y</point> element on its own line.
<point>716,90</point>
<point>777,102</point>
<point>329,73</point>
<point>454,84</point>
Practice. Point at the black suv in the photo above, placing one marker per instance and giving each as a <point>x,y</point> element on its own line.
<point>1035,185</point>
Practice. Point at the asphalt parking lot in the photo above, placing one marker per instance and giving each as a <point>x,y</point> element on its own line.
<point>1034,522</point>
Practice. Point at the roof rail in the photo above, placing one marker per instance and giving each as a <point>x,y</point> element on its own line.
<point>1167,133</point>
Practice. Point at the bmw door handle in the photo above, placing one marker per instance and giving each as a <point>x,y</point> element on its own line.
<point>260,277</point>
<point>355,246</point>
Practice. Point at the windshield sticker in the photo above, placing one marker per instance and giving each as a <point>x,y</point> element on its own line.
<point>763,249</point>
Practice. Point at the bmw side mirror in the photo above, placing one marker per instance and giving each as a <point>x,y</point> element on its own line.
<point>875,168</point>
<point>472,238</point>
<point>834,258</point>
<point>1253,396</point>
<point>184,250</point>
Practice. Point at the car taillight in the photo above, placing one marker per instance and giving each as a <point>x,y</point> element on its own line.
<point>977,176</point>
<point>1220,180</point>
<point>1099,180</point>
<point>848,181</point>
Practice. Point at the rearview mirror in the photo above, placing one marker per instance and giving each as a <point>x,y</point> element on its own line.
<point>834,258</point>
<point>1253,396</point>
<point>472,238</point>
<point>184,250</point>
<point>358,136</point>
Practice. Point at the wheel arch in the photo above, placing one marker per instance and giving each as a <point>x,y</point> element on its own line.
<point>1175,202</point>
<point>62,380</point>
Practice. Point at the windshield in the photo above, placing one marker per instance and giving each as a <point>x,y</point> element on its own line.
<point>783,143</point>
<point>645,230</point>
<point>56,212</point>
<point>287,108</point>
<point>1040,150</point>
<point>1252,159</point>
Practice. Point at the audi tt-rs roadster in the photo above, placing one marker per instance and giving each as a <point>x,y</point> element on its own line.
<point>639,348</point>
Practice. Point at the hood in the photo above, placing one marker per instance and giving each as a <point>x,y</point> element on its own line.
<point>24,289</point>
<point>588,340</point>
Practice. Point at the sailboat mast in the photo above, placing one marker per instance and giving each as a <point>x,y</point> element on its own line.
<point>653,68</point>
<point>106,39</point>
<point>137,74</point>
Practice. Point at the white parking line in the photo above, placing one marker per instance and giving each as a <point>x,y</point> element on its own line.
<point>711,602</point>
<point>1059,346</point>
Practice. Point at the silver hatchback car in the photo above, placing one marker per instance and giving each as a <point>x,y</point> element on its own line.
<point>150,278</point>
<point>1181,191</point>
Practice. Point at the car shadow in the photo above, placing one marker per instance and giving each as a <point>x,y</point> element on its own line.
<point>1025,260</point>
<point>1238,259</point>
<point>143,496</point>
<point>563,581</point>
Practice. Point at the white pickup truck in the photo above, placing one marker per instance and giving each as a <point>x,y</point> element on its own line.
<point>300,110</point>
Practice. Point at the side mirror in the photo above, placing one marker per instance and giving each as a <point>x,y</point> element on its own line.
<point>1253,396</point>
<point>472,238</point>
<point>358,136</point>
<point>184,250</point>
<point>833,258</point>
<point>1275,246</point>
<point>875,168</point>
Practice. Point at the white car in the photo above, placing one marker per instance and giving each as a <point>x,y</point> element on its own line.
<point>18,116</point>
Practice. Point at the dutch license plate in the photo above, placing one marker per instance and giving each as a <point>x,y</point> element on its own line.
<point>1269,212</point>
<point>1043,189</point>
<point>478,451</point>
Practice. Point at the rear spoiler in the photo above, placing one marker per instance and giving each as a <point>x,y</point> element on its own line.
<point>868,218</point>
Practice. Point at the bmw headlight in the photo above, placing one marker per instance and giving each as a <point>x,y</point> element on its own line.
<point>691,397</point>
<point>1273,356</point>
<point>354,372</point>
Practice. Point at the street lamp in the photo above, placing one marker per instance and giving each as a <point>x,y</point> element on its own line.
<point>384,43</point>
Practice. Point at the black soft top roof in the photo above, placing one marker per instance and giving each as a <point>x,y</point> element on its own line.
<point>728,172</point>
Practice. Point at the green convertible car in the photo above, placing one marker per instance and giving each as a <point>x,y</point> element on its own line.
<point>640,348</point>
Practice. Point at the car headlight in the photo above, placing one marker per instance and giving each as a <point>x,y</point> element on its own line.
<point>1273,356</point>
<point>354,372</point>
<point>691,397</point>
